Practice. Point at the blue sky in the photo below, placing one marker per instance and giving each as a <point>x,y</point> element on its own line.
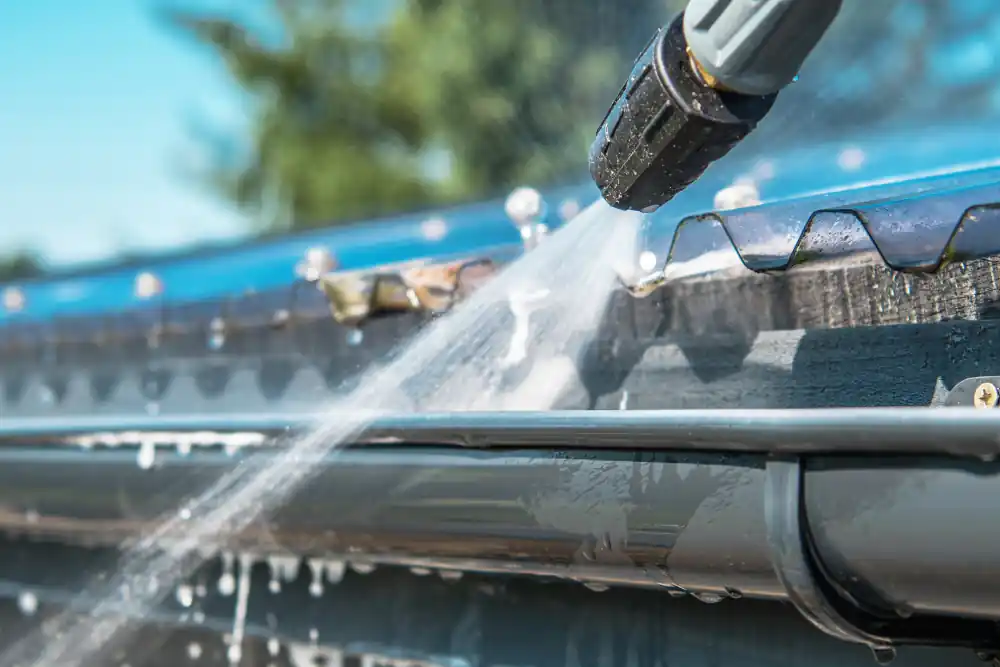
<point>93,147</point>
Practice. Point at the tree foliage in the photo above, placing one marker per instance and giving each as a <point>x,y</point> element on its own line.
<point>19,266</point>
<point>444,100</point>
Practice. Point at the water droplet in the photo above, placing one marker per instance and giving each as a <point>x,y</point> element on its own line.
<point>363,568</point>
<point>434,229</point>
<point>355,337</point>
<point>185,595</point>
<point>27,602</point>
<point>183,448</point>
<point>273,646</point>
<point>884,654</point>
<point>274,575</point>
<point>335,571</point>
<point>198,617</point>
<point>677,593</point>
<point>281,567</point>
<point>316,585</point>
<point>146,456</point>
<point>569,209</point>
<point>315,263</point>
<point>596,587</point>
<point>313,636</point>
<point>733,593</point>
<point>184,514</point>
<point>217,334</point>
<point>450,575</point>
<point>647,260</point>
<point>851,158</point>
<point>31,516</point>
<point>147,285</point>
<point>235,651</point>
<point>420,571</point>
<point>227,582</point>
<point>14,299</point>
<point>194,650</point>
<point>708,598</point>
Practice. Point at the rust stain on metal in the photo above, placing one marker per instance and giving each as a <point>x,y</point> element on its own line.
<point>420,286</point>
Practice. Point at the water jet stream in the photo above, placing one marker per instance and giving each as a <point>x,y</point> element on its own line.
<point>463,361</point>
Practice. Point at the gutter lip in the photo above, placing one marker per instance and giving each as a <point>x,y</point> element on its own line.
<point>954,432</point>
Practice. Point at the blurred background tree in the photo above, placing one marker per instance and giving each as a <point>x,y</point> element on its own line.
<point>19,266</point>
<point>428,102</point>
<point>441,101</point>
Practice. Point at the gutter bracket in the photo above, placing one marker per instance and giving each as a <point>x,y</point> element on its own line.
<point>786,538</point>
<point>828,606</point>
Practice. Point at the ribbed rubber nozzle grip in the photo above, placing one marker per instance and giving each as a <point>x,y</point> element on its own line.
<point>666,127</point>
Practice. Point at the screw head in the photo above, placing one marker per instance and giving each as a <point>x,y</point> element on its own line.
<point>986,396</point>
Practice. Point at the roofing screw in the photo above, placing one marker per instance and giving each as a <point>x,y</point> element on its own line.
<point>985,396</point>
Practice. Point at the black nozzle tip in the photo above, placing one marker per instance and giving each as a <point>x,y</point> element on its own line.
<point>666,127</point>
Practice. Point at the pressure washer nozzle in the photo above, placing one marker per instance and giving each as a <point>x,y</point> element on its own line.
<point>699,88</point>
<point>667,126</point>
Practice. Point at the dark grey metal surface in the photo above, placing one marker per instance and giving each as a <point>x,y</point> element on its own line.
<point>649,520</point>
<point>921,537</point>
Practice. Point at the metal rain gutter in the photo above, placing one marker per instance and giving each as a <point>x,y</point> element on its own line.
<point>874,524</point>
